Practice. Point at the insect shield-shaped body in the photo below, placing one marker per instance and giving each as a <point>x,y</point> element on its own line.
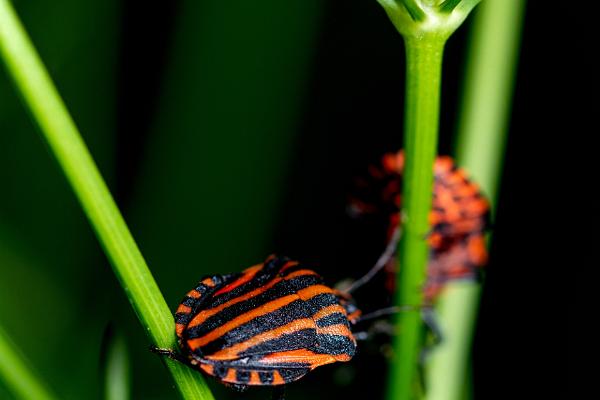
<point>459,217</point>
<point>268,325</point>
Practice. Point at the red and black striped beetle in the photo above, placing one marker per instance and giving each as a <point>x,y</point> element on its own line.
<point>266,326</point>
<point>459,218</point>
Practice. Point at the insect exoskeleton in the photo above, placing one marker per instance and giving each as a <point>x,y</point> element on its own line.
<point>268,325</point>
<point>458,219</point>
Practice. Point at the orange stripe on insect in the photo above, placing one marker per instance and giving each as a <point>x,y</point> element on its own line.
<point>338,329</point>
<point>230,376</point>
<point>208,368</point>
<point>254,378</point>
<point>353,318</point>
<point>477,250</point>
<point>277,378</point>
<point>323,312</point>
<point>205,314</point>
<point>342,357</point>
<point>184,309</point>
<point>312,291</point>
<point>288,265</point>
<point>247,276</point>
<point>208,282</point>
<point>229,353</point>
<point>458,177</point>
<point>179,329</point>
<point>241,319</point>
<point>435,239</point>
<point>467,191</point>
<point>300,272</point>
<point>393,162</point>
<point>299,356</point>
<point>443,165</point>
<point>468,225</point>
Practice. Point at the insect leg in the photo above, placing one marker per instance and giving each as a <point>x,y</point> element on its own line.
<point>435,332</point>
<point>238,388</point>
<point>387,254</point>
<point>380,327</point>
<point>360,336</point>
<point>173,355</point>
<point>430,321</point>
<point>384,312</point>
<point>427,315</point>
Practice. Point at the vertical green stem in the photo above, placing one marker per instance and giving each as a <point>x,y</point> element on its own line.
<point>482,133</point>
<point>58,128</point>
<point>21,381</point>
<point>423,77</point>
<point>489,85</point>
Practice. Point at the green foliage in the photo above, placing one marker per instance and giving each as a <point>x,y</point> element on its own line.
<point>47,251</point>
<point>17,375</point>
<point>59,130</point>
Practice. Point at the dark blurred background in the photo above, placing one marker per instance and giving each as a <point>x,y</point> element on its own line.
<point>231,130</point>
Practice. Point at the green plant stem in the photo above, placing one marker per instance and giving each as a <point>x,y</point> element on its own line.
<point>488,89</point>
<point>48,110</point>
<point>425,26</point>
<point>423,77</point>
<point>481,141</point>
<point>16,374</point>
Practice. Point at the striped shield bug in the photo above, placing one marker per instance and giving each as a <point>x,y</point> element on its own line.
<point>459,218</point>
<point>266,326</point>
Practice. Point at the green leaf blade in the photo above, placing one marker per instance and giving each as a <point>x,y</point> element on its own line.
<point>49,112</point>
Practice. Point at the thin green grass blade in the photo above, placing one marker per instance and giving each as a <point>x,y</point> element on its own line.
<point>489,85</point>
<point>16,374</point>
<point>59,130</point>
<point>47,243</point>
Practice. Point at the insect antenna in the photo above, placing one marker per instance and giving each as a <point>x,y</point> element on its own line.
<point>383,312</point>
<point>387,254</point>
